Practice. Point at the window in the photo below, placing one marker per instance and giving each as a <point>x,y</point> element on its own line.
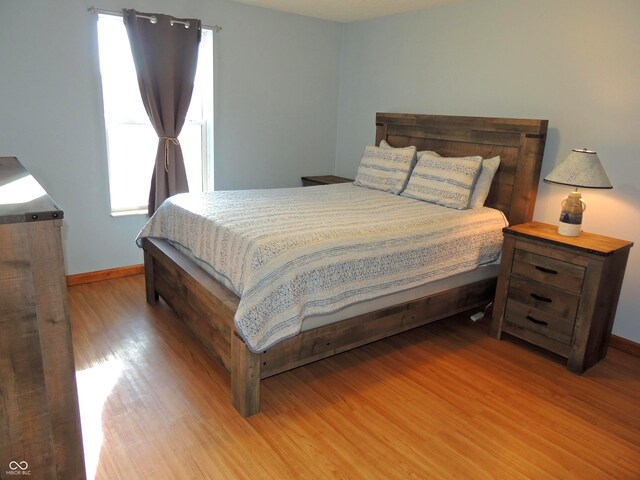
<point>131,140</point>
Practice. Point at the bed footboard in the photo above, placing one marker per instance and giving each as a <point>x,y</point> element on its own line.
<point>207,308</point>
<point>204,305</point>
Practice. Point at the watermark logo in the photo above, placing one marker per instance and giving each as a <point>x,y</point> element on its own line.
<point>18,468</point>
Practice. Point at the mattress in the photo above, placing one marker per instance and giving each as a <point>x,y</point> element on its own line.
<point>293,255</point>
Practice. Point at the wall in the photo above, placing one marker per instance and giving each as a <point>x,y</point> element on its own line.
<point>573,62</point>
<point>276,82</point>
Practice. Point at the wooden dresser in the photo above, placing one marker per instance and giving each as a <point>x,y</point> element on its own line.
<point>560,293</point>
<point>40,432</point>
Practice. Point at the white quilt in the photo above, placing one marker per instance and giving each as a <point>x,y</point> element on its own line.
<point>293,253</point>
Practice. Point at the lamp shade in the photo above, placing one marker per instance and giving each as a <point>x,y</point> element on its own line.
<point>582,168</point>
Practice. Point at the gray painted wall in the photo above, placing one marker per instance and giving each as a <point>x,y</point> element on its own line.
<point>276,83</point>
<point>573,62</point>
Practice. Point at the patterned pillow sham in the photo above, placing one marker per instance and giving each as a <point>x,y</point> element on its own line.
<point>483,184</point>
<point>385,169</point>
<point>446,181</point>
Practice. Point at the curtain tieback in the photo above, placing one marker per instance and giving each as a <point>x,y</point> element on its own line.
<point>167,141</point>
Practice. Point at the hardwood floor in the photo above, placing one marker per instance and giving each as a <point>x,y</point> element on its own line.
<point>443,401</point>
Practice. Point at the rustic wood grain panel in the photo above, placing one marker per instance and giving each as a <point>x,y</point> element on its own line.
<point>608,287</point>
<point>25,422</point>
<point>536,338</point>
<point>502,287</point>
<point>544,269</point>
<point>201,325</point>
<point>56,347</point>
<point>322,342</point>
<point>41,423</point>
<point>539,321</point>
<point>544,297</point>
<point>245,378</point>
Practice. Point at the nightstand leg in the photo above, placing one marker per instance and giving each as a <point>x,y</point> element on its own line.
<point>575,365</point>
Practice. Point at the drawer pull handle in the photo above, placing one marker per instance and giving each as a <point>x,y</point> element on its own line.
<point>537,322</point>
<point>541,298</point>
<point>546,270</point>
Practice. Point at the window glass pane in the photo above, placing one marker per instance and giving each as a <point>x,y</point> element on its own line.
<point>202,94</point>
<point>120,90</point>
<point>191,143</point>
<point>132,151</point>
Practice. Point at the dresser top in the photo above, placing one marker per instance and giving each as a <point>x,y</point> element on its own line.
<point>589,242</point>
<point>22,199</point>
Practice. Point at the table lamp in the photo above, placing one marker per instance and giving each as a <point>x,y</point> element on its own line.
<point>581,169</point>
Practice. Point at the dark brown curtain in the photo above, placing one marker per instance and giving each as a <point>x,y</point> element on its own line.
<point>165,57</point>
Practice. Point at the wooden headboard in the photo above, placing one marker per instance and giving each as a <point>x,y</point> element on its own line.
<point>519,142</point>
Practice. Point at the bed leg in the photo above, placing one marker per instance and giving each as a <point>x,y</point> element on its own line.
<point>245,378</point>
<point>149,280</point>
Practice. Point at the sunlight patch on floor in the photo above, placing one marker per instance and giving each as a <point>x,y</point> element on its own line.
<point>94,386</point>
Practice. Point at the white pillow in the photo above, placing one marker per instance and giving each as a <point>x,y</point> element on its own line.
<point>385,169</point>
<point>483,184</point>
<point>447,181</point>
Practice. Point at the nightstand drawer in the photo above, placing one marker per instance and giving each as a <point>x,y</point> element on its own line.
<point>551,326</point>
<point>548,270</point>
<point>543,297</point>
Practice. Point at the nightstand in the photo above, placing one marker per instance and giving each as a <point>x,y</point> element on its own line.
<point>323,180</point>
<point>559,293</point>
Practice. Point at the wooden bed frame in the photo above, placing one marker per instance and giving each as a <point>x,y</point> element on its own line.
<point>208,308</point>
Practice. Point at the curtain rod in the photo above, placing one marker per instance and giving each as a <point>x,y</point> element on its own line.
<point>151,18</point>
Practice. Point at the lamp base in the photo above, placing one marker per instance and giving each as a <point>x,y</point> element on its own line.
<point>571,215</point>
<point>569,229</point>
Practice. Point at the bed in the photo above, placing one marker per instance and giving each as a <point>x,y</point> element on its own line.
<point>208,306</point>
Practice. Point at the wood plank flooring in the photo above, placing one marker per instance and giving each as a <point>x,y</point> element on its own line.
<point>444,401</point>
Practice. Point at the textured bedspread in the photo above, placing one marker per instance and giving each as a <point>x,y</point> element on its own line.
<point>298,252</point>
